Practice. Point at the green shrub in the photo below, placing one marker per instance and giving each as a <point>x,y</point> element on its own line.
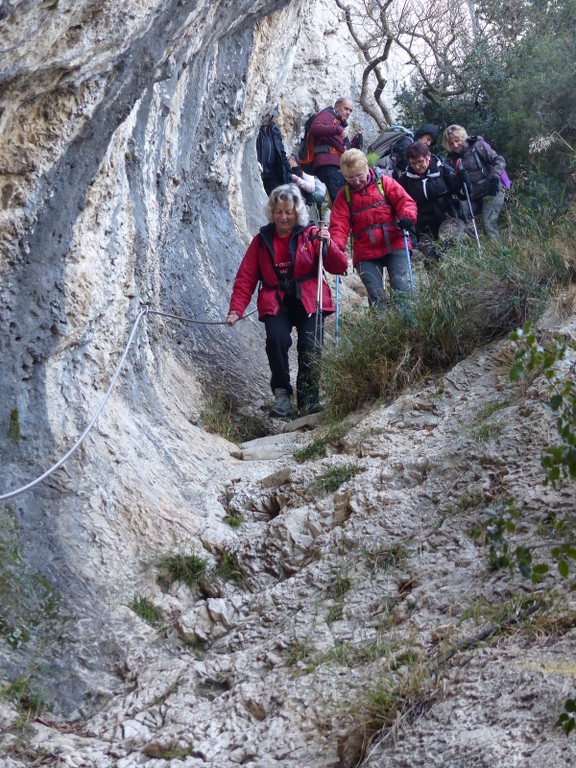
<point>234,521</point>
<point>330,480</point>
<point>531,360</point>
<point>174,567</point>
<point>559,461</point>
<point>470,299</point>
<point>147,611</point>
<point>567,719</point>
<point>194,572</point>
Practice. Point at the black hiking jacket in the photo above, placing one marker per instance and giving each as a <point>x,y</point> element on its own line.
<point>271,153</point>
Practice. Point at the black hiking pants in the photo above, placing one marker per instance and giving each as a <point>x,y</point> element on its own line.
<point>278,343</point>
<point>271,180</point>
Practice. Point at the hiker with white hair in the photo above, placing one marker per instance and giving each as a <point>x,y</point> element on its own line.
<point>286,260</point>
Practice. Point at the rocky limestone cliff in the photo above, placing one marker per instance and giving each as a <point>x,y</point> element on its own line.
<point>127,178</point>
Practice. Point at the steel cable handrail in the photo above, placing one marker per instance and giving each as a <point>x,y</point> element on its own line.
<point>145,311</point>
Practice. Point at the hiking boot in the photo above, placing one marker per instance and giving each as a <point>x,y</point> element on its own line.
<point>311,407</point>
<point>282,407</point>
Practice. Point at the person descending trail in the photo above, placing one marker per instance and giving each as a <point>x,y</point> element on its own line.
<point>390,147</point>
<point>330,135</point>
<point>434,186</point>
<point>312,189</point>
<point>485,169</point>
<point>304,181</point>
<point>427,134</point>
<point>374,211</point>
<point>285,257</point>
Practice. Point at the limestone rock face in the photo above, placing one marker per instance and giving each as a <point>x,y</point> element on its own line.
<point>128,184</point>
<point>128,181</point>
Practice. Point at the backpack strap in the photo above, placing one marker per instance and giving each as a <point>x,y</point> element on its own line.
<point>354,235</point>
<point>286,283</point>
<point>478,149</point>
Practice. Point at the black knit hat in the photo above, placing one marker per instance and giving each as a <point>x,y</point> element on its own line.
<point>430,129</point>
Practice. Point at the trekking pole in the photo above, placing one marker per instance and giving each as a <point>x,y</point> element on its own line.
<point>467,193</point>
<point>337,309</point>
<point>405,236</point>
<point>318,323</point>
<point>476,235</point>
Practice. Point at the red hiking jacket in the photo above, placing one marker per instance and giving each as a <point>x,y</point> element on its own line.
<point>326,131</point>
<point>365,216</point>
<point>257,265</point>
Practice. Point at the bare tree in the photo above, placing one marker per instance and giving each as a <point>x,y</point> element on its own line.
<point>375,48</point>
<point>440,42</point>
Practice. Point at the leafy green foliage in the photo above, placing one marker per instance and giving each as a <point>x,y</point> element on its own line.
<point>567,719</point>
<point>563,554</point>
<point>531,104</point>
<point>533,359</point>
<point>513,81</point>
<point>559,461</point>
<point>501,522</point>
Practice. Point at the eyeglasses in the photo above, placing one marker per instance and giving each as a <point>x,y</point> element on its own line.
<point>358,177</point>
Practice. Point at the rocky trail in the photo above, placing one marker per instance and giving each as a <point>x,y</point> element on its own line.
<point>362,625</point>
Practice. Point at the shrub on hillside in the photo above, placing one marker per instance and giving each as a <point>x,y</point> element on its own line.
<point>474,296</point>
